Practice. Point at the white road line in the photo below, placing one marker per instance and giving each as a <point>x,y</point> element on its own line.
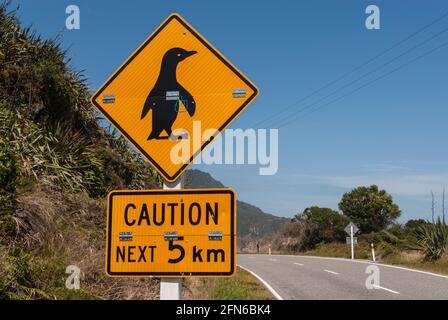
<point>299,264</point>
<point>368,262</point>
<point>329,271</point>
<point>389,290</point>
<point>272,259</point>
<point>274,293</point>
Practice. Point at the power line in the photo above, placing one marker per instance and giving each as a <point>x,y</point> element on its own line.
<point>355,69</point>
<point>363,76</point>
<point>364,85</point>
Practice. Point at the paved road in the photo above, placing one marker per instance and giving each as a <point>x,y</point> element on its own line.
<point>301,277</point>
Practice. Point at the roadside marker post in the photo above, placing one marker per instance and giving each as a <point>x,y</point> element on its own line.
<point>373,252</point>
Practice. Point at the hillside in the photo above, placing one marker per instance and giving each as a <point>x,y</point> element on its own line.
<point>251,220</point>
<point>57,165</point>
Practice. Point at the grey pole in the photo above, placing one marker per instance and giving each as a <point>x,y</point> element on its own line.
<point>171,288</point>
<point>351,242</point>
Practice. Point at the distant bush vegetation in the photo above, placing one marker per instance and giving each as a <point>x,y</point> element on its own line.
<point>374,211</point>
<point>312,227</point>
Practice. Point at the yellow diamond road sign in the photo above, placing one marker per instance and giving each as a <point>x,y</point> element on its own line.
<point>173,96</point>
<point>171,233</point>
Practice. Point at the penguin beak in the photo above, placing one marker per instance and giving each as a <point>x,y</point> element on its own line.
<point>190,53</point>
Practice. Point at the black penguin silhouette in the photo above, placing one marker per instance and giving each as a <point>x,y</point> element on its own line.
<point>165,110</point>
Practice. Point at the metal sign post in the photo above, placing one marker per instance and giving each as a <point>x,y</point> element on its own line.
<point>352,229</point>
<point>171,288</point>
<point>352,243</point>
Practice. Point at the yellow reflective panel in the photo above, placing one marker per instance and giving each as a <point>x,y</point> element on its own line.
<point>175,85</point>
<point>171,233</point>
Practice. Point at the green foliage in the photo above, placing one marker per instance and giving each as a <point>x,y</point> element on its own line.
<point>311,228</point>
<point>51,142</point>
<point>412,226</point>
<point>369,208</point>
<point>56,155</point>
<point>7,168</point>
<point>433,239</point>
<point>47,118</point>
<point>35,72</point>
<point>397,230</point>
<point>15,274</point>
<point>7,188</point>
<point>330,224</point>
<point>242,286</point>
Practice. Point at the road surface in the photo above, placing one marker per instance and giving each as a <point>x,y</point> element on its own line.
<point>302,277</point>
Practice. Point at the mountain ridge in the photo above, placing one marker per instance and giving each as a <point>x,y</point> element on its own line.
<point>251,220</point>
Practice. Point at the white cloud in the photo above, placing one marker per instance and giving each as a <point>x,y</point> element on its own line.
<point>404,184</point>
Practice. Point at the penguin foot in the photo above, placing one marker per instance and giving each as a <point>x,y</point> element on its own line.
<point>158,138</point>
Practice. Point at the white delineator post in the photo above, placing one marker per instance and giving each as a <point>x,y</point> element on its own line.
<point>373,252</point>
<point>171,288</point>
<point>351,242</point>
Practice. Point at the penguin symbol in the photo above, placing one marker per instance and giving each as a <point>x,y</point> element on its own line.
<point>164,110</point>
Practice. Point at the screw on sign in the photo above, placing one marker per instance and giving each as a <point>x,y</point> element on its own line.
<point>174,80</point>
<point>171,233</point>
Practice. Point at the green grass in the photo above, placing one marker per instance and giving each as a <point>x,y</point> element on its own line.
<point>339,250</point>
<point>242,286</point>
<point>416,261</point>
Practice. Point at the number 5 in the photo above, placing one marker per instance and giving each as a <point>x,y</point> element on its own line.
<point>173,247</point>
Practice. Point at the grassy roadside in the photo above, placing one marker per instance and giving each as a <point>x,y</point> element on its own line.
<point>414,261</point>
<point>411,259</point>
<point>242,286</point>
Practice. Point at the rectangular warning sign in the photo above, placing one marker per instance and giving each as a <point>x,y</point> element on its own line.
<point>171,233</point>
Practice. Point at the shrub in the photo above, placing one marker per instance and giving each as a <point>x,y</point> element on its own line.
<point>313,227</point>
<point>433,239</point>
<point>15,270</point>
<point>7,188</point>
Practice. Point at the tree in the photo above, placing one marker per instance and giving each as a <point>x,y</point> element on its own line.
<point>370,208</point>
<point>330,223</point>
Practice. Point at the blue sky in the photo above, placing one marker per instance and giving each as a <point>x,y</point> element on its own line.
<point>392,133</point>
